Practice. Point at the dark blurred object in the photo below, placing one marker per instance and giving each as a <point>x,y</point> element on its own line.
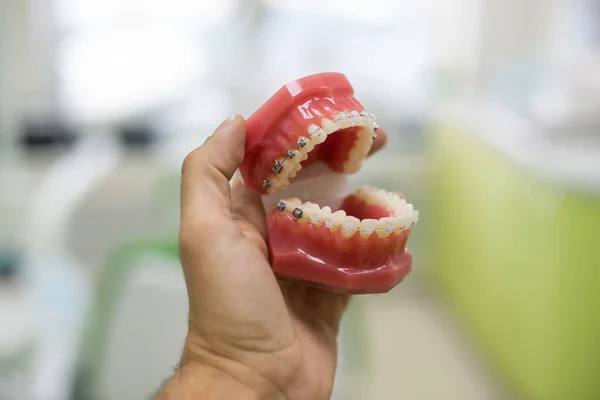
<point>136,136</point>
<point>9,265</point>
<point>46,134</point>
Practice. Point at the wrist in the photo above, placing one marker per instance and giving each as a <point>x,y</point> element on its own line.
<point>200,381</point>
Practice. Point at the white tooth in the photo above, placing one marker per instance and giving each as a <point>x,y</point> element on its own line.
<point>397,221</point>
<point>288,167</point>
<point>384,227</point>
<point>334,221</point>
<point>407,219</point>
<point>296,153</point>
<point>382,194</point>
<point>292,202</point>
<point>295,171</point>
<point>350,226</point>
<point>312,206</point>
<point>276,182</point>
<point>329,126</point>
<point>317,134</point>
<point>373,117</point>
<point>307,213</point>
<point>316,219</point>
<point>367,226</point>
<point>355,119</point>
<point>320,217</point>
<point>304,157</point>
<point>339,116</point>
<point>308,147</point>
<point>344,123</point>
<point>312,128</point>
<point>364,118</point>
<point>319,137</point>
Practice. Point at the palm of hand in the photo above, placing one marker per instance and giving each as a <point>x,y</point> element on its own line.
<point>259,319</point>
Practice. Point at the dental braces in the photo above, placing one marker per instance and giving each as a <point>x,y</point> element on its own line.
<point>297,213</point>
<point>278,165</point>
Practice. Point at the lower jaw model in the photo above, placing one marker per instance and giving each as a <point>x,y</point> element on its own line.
<point>318,233</point>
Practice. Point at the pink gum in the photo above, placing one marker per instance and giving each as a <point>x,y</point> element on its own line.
<point>285,133</point>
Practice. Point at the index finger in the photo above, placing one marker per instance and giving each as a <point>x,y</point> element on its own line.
<point>379,141</point>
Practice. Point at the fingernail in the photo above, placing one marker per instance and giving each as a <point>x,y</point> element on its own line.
<point>226,122</point>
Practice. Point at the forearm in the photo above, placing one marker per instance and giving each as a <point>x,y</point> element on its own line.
<point>201,382</point>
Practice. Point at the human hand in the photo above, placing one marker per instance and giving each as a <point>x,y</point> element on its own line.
<point>250,335</point>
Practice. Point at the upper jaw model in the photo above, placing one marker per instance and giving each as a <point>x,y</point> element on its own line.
<point>350,243</point>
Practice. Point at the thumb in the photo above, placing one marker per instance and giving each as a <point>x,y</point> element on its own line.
<point>206,171</point>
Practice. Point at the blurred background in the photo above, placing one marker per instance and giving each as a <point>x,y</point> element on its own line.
<point>493,110</point>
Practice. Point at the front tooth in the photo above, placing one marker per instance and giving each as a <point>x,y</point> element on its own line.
<point>334,221</point>
<point>329,126</point>
<point>367,226</point>
<point>307,145</point>
<point>350,226</point>
<point>317,134</point>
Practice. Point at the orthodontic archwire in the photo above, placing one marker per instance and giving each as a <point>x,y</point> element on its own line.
<point>301,142</point>
<point>297,213</point>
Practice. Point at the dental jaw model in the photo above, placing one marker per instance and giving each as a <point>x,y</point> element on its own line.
<point>300,147</point>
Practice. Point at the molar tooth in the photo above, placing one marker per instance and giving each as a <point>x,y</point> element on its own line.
<point>350,226</point>
<point>333,221</point>
<point>367,226</point>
